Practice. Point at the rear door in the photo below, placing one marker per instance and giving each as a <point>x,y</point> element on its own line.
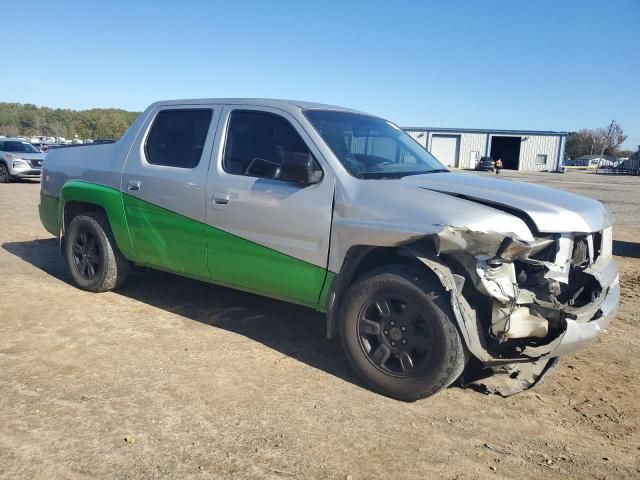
<point>163,185</point>
<point>264,234</point>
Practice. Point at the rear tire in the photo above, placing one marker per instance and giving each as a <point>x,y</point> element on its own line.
<point>92,255</point>
<point>4,174</point>
<point>399,334</point>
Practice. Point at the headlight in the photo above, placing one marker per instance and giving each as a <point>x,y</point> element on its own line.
<point>20,163</point>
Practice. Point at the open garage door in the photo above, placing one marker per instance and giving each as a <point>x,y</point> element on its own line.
<point>446,148</point>
<point>508,150</point>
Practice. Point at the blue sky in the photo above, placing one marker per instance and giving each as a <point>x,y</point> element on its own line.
<point>549,65</point>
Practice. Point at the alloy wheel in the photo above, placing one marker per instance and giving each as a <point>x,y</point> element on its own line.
<point>394,335</point>
<point>87,256</point>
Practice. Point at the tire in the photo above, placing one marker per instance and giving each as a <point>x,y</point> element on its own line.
<point>4,174</point>
<point>93,258</point>
<point>424,330</point>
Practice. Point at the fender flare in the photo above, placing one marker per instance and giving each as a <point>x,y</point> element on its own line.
<point>109,200</point>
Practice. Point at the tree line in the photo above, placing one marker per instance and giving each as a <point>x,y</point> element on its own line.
<point>600,141</point>
<point>17,119</point>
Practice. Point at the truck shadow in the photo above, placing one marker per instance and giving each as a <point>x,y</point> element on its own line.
<point>292,330</point>
<point>626,249</point>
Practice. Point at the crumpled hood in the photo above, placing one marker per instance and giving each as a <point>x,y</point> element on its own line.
<point>551,210</point>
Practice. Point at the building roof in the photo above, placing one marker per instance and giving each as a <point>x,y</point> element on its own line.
<point>485,130</point>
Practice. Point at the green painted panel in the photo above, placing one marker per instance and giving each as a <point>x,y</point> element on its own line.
<point>49,216</point>
<point>110,200</point>
<point>175,243</point>
<point>166,239</point>
<point>236,261</point>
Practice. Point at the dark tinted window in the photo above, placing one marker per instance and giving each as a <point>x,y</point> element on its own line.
<point>19,147</point>
<point>177,137</point>
<point>257,143</point>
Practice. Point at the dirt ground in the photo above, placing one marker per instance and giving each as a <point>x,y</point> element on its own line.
<point>170,378</point>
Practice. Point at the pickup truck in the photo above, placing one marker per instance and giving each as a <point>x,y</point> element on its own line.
<point>427,276</point>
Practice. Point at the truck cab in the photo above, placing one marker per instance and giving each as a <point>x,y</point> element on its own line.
<point>423,273</point>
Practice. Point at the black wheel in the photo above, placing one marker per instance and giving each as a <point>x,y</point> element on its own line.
<point>4,174</point>
<point>92,256</point>
<point>399,334</point>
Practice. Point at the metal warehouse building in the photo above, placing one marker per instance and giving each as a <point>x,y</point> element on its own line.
<point>519,149</point>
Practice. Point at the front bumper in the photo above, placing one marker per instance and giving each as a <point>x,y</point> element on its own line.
<point>31,173</point>
<point>592,319</point>
<point>26,171</point>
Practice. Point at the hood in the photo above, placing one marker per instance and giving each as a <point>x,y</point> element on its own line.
<point>549,209</point>
<point>29,156</point>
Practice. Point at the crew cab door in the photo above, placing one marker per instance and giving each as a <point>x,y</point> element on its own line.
<point>163,186</point>
<point>265,234</point>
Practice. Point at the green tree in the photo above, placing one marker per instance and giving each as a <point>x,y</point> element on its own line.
<point>30,120</point>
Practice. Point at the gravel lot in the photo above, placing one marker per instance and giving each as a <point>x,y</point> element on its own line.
<point>171,378</point>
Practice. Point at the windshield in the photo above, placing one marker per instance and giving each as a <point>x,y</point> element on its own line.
<point>19,147</point>
<point>371,147</point>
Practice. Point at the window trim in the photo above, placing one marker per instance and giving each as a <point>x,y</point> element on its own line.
<point>177,108</point>
<point>546,158</point>
<point>262,111</point>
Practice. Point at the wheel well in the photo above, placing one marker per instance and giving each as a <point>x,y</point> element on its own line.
<point>359,261</point>
<point>74,208</point>
<point>379,257</point>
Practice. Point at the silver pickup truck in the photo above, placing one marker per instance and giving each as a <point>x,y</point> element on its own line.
<point>427,276</point>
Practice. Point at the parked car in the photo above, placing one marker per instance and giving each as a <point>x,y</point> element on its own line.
<point>19,159</point>
<point>422,273</point>
<point>486,164</point>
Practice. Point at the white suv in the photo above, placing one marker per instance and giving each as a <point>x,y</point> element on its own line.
<point>19,159</point>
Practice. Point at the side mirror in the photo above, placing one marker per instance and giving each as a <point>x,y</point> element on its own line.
<point>299,168</point>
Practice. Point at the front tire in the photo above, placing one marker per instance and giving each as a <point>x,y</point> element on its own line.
<point>399,335</point>
<point>5,177</point>
<point>92,255</point>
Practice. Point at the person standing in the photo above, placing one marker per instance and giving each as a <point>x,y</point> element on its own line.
<point>498,166</point>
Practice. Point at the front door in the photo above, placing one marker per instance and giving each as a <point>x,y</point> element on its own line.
<point>265,234</point>
<point>163,186</point>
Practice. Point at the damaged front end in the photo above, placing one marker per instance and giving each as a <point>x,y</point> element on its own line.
<point>521,304</point>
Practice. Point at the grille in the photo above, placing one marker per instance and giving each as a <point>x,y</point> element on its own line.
<point>35,163</point>
<point>586,249</point>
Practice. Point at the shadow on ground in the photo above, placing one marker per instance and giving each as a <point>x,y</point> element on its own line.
<point>626,249</point>
<point>290,329</point>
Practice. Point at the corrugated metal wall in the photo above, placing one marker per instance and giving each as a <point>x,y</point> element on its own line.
<point>530,148</point>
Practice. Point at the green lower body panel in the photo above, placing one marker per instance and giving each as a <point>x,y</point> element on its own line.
<point>157,237</point>
<point>166,239</point>
<point>236,261</point>
<point>49,217</point>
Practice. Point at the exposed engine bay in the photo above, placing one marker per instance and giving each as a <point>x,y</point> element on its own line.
<point>524,299</point>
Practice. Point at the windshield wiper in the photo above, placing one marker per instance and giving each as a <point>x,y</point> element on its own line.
<point>387,175</point>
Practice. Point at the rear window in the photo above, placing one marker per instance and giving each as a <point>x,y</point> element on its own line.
<point>177,137</point>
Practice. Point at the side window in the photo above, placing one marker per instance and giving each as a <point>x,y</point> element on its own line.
<point>177,137</point>
<point>257,142</point>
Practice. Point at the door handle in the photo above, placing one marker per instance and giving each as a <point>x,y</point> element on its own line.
<point>134,185</point>
<point>221,198</point>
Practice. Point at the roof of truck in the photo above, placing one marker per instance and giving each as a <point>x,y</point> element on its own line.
<point>266,102</point>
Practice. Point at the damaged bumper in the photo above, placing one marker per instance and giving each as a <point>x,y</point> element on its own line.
<point>520,305</point>
<point>591,320</point>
